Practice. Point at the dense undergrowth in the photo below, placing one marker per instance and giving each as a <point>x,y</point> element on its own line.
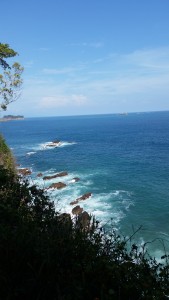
<point>6,157</point>
<point>45,255</point>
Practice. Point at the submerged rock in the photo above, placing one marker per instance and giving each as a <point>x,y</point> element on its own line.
<point>55,175</point>
<point>39,175</point>
<point>82,198</point>
<point>57,185</point>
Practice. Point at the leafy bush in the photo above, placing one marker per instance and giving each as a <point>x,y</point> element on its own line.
<point>6,158</point>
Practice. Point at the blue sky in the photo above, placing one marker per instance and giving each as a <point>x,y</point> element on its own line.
<point>89,56</point>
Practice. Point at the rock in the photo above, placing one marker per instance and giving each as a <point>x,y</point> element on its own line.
<point>24,171</point>
<point>84,219</point>
<point>75,179</point>
<point>77,210</point>
<point>57,185</point>
<point>39,175</point>
<point>56,142</point>
<point>82,198</point>
<point>53,144</point>
<point>55,176</point>
<point>74,202</point>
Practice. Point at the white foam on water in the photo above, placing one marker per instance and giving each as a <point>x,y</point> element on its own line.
<point>100,205</point>
<point>154,252</point>
<point>88,183</point>
<point>49,145</point>
<point>110,204</point>
<point>63,144</point>
<point>104,206</point>
<point>68,179</point>
<point>127,203</point>
<point>30,153</point>
<point>116,193</point>
<point>72,181</point>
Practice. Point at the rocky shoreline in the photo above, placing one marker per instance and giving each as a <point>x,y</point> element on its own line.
<point>77,210</point>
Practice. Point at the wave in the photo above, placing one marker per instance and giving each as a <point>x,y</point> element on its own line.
<point>64,144</point>
<point>52,145</point>
<point>107,206</point>
<point>99,205</point>
<point>30,153</point>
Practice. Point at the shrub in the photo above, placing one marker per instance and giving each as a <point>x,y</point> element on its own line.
<point>6,158</point>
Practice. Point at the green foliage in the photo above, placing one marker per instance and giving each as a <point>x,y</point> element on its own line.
<point>45,255</point>
<point>10,80</point>
<point>6,157</point>
<point>6,52</point>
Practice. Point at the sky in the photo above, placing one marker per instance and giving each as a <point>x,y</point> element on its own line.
<point>89,56</point>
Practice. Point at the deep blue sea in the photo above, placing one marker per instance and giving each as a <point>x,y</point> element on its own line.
<point>123,160</point>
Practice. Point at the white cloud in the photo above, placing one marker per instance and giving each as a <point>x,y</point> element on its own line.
<point>148,58</point>
<point>58,71</point>
<point>90,45</point>
<point>138,77</point>
<point>62,101</point>
<point>79,99</point>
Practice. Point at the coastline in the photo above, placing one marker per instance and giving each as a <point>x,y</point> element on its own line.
<point>11,118</point>
<point>122,161</point>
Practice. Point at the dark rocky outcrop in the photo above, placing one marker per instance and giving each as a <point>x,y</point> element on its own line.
<point>39,175</point>
<point>53,144</point>
<point>24,171</point>
<point>77,210</point>
<point>56,142</point>
<point>84,220</point>
<point>61,174</point>
<point>82,198</point>
<point>74,202</point>
<point>57,185</point>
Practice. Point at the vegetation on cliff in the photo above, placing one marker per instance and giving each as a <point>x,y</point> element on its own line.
<point>6,157</point>
<point>45,255</point>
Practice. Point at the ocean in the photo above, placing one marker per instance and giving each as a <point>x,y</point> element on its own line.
<point>121,159</point>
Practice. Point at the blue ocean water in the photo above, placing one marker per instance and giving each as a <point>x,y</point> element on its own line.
<point>123,160</point>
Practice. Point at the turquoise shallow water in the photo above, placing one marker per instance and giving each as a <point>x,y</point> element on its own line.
<point>123,160</point>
